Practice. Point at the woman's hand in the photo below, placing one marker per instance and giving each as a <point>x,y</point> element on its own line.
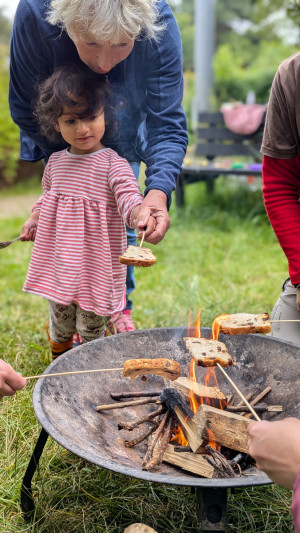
<point>10,380</point>
<point>275,446</point>
<point>153,215</point>
<point>30,227</point>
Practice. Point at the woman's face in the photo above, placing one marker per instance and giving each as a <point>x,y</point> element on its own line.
<point>101,56</point>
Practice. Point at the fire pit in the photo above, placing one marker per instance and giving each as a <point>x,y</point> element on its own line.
<point>65,405</point>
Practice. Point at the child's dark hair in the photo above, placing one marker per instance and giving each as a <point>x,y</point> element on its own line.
<point>71,86</point>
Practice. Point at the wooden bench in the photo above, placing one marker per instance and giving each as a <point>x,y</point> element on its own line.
<point>214,139</point>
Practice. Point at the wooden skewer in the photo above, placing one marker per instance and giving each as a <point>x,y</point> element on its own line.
<point>239,392</point>
<point>74,372</point>
<point>141,243</point>
<point>291,320</point>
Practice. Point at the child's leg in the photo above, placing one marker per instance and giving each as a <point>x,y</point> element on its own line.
<point>62,326</point>
<point>88,325</point>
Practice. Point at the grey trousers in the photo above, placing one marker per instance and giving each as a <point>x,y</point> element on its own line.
<point>285,309</point>
<point>65,320</point>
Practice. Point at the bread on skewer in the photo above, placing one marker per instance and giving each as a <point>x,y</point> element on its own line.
<point>132,368</point>
<point>208,352</point>
<point>138,256</point>
<point>242,323</point>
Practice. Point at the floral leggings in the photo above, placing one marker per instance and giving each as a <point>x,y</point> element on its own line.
<point>65,320</point>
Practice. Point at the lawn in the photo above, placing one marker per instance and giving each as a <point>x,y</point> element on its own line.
<point>220,255</point>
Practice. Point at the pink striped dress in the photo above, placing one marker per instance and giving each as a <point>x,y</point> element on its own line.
<point>81,231</point>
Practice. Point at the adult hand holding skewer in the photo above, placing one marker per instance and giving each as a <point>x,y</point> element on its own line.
<point>10,380</point>
<point>275,446</point>
<point>154,207</point>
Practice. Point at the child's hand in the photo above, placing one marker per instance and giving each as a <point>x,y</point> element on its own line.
<point>30,227</point>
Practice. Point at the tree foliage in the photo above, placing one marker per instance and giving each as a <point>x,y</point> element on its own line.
<point>5,28</point>
<point>252,38</point>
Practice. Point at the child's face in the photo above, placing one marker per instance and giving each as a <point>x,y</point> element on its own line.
<point>83,134</point>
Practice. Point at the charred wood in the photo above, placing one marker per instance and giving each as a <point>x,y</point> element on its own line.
<point>148,418</point>
<point>119,405</point>
<point>139,394</point>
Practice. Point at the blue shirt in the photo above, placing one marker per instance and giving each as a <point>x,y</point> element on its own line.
<point>148,86</point>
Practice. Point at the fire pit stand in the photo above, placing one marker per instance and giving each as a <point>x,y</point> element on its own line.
<point>65,407</point>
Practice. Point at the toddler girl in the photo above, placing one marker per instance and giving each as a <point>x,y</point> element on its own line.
<point>78,224</point>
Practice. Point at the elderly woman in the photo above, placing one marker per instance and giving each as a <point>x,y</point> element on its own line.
<point>136,45</point>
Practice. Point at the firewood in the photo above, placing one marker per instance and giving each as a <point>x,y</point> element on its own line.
<point>185,385</point>
<point>180,449</point>
<point>219,458</point>
<point>156,436</point>
<point>261,408</point>
<point>158,455</point>
<point>258,398</point>
<point>134,394</point>
<point>148,418</point>
<point>108,406</point>
<point>190,431</point>
<point>248,398</point>
<point>139,438</point>
<point>189,461</point>
<point>228,429</point>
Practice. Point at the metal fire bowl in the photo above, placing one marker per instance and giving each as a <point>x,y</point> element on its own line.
<point>65,406</point>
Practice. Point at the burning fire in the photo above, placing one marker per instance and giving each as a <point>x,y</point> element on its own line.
<point>215,328</point>
<point>210,380</point>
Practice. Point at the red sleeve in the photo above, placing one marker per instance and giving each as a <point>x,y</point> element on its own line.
<point>281,196</point>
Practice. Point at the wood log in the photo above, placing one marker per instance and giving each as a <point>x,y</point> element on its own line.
<point>119,405</point>
<point>190,431</point>
<point>260,408</point>
<point>189,461</point>
<point>228,429</point>
<point>186,385</point>
<point>258,398</point>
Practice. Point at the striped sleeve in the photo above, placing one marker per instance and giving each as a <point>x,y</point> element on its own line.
<point>46,184</point>
<point>125,188</point>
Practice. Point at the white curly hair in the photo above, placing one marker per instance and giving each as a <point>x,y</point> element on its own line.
<point>107,19</point>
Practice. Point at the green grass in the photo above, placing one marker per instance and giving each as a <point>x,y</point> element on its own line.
<point>220,255</point>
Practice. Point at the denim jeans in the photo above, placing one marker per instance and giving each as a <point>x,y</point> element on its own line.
<point>131,239</point>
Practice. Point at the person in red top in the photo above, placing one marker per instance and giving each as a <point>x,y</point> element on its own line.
<point>281,179</point>
<point>276,445</point>
<point>78,224</point>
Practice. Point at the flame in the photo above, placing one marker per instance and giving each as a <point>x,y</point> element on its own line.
<point>210,379</point>
<point>178,436</point>
<point>211,440</point>
<point>194,330</point>
<point>215,328</point>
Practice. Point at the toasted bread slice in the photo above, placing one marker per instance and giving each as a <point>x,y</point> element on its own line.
<point>208,352</point>
<point>242,323</point>
<point>138,256</point>
<point>132,368</point>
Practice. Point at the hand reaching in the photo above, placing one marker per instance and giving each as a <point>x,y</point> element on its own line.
<point>275,446</point>
<point>10,380</point>
<point>30,227</point>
